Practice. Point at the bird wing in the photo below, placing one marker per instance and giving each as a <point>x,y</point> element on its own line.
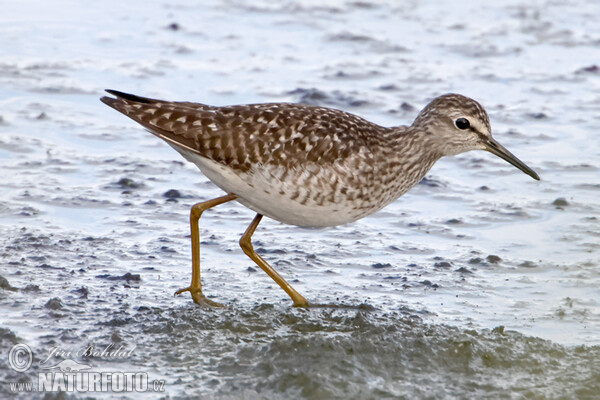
<point>245,135</point>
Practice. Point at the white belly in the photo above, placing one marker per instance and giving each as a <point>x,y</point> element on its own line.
<point>262,191</point>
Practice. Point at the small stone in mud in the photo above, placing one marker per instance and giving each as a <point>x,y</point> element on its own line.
<point>116,338</point>
<point>250,269</point>
<point>127,277</point>
<point>46,266</point>
<point>129,183</point>
<point>4,284</point>
<point>453,221</point>
<point>527,264</point>
<point>442,264</point>
<point>389,87</point>
<point>381,265</point>
<point>499,330</point>
<point>365,307</point>
<point>54,304</point>
<point>83,292</point>
<point>593,69</point>
<point>174,26</point>
<point>29,212</point>
<point>560,202</point>
<point>429,284</point>
<point>406,106</point>
<point>31,288</point>
<point>475,260</point>
<point>131,277</point>
<point>172,194</point>
<point>309,96</point>
<point>463,270</point>
<point>430,182</point>
<point>357,102</point>
<point>537,115</point>
<point>394,277</point>
<point>493,259</point>
<point>9,336</point>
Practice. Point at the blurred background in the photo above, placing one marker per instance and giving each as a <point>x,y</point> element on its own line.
<point>478,283</point>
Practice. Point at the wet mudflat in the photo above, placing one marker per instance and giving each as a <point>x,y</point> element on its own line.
<point>479,283</point>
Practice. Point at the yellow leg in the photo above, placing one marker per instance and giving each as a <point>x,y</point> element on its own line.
<point>246,244</point>
<point>196,287</point>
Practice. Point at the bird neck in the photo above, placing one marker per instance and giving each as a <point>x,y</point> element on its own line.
<point>413,143</point>
<point>410,154</point>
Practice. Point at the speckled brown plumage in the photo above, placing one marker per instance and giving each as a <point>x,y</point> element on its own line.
<point>245,135</point>
<point>305,157</point>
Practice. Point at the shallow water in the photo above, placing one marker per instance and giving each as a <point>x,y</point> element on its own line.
<point>479,283</point>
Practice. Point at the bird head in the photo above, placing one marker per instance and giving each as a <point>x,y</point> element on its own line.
<point>458,124</point>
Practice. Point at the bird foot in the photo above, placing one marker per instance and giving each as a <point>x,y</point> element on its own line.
<point>198,297</point>
<point>302,304</point>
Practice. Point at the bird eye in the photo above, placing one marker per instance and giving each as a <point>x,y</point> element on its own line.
<point>462,123</point>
